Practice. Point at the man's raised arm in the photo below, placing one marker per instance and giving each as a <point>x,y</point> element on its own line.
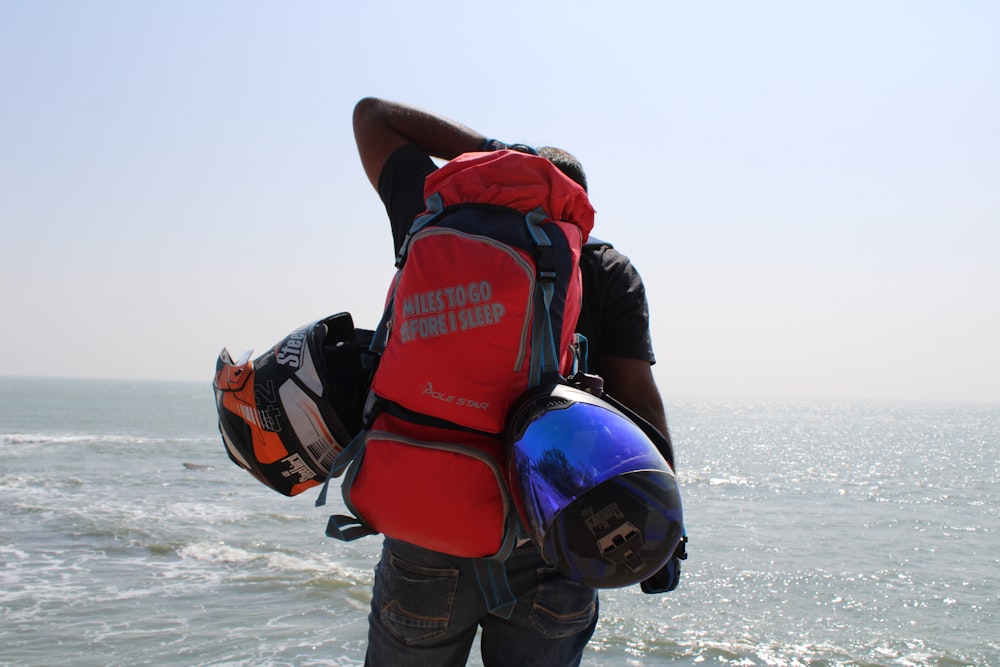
<point>382,126</point>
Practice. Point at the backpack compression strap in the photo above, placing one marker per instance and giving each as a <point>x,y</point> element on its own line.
<point>544,355</point>
<point>491,575</point>
<point>342,527</point>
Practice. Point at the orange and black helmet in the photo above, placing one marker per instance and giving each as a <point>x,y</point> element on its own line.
<point>286,415</point>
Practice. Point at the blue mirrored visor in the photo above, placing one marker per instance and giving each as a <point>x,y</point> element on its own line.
<point>566,452</point>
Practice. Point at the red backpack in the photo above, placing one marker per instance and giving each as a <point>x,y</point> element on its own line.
<point>484,306</point>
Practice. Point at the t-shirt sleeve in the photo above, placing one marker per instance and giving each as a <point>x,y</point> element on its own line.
<point>615,307</point>
<point>401,188</point>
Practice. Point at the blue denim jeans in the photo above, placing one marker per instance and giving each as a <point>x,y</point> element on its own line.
<point>427,607</point>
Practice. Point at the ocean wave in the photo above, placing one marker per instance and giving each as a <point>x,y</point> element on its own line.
<point>273,564</point>
<point>9,552</point>
<point>20,439</point>
<point>34,482</point>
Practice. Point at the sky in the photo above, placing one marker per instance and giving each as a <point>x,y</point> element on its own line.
<point>810,190</point>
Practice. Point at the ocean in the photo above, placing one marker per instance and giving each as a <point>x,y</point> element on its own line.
<point>821,534</point>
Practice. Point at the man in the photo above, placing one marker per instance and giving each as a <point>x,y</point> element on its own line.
<point>427,606</point>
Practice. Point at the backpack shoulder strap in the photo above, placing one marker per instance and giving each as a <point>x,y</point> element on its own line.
<point>435,206</point>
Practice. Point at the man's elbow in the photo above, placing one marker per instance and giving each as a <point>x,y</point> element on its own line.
<point>366,110</point>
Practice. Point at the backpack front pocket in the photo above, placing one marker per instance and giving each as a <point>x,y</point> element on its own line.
<point>449,497</point>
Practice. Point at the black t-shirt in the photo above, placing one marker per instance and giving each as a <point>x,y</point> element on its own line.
<point>614,315</point>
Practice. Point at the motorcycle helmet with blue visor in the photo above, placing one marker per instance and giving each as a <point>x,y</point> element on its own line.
<point>595,493</point>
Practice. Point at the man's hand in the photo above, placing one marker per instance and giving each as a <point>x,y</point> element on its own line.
<point>669,575</point>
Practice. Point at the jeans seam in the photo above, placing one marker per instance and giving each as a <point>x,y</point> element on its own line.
<point>564,624</point>
<point>394,614</point>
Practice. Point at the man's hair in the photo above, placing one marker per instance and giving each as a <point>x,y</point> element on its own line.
<point>566,163</point>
